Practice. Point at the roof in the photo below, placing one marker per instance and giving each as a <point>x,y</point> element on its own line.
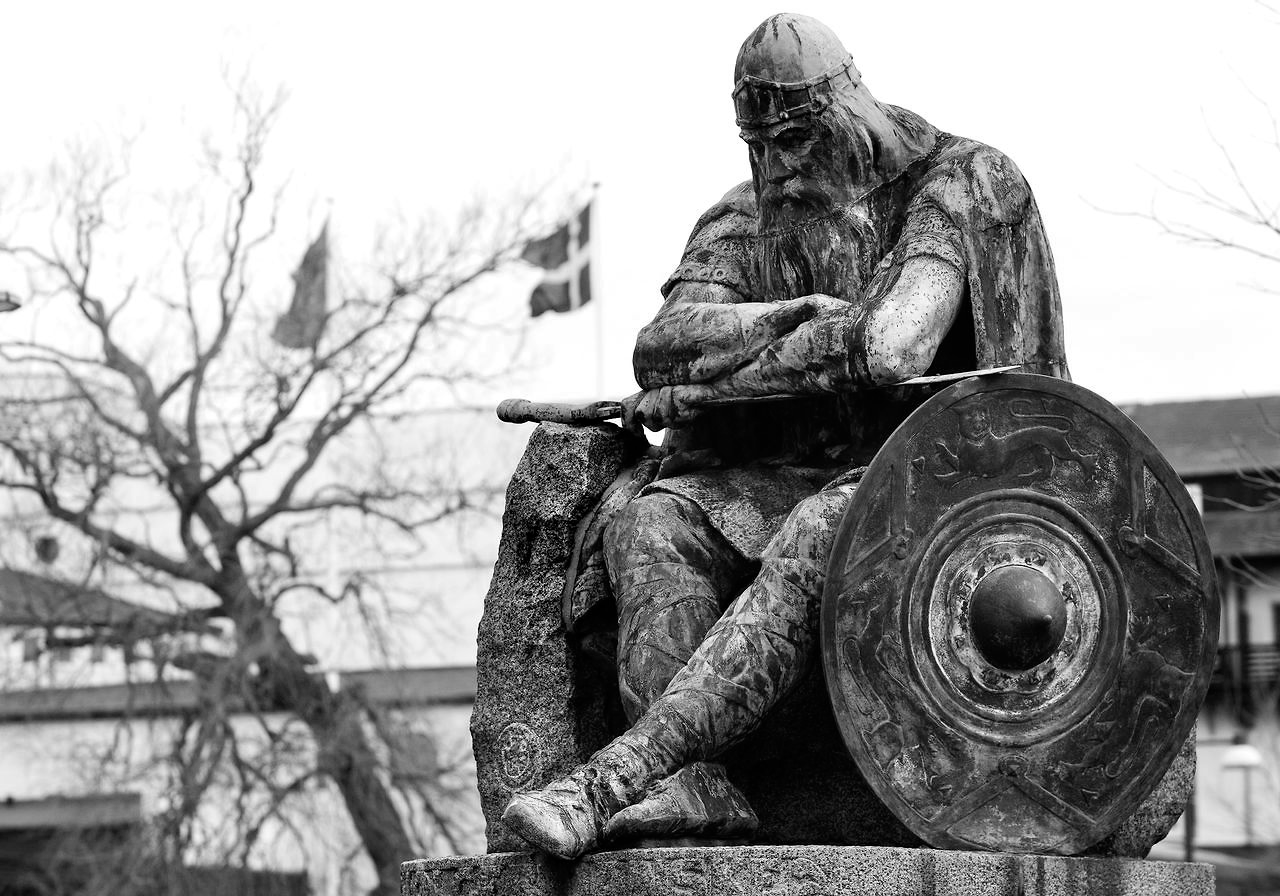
<point>1243,533</point>
<point>28,600</point>
<point>1213,436</point>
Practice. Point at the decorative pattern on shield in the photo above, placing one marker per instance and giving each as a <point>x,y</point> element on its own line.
<point>1020,618</point>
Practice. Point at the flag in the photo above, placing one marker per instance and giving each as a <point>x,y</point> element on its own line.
<point>566,257</point>
<point>302,324</point>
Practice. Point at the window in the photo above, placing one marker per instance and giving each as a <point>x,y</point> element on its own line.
<point>31,647</point>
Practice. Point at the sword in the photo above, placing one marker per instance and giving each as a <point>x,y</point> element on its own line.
<point>521,410</point>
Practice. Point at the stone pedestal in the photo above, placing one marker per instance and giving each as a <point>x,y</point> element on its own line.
<point>801,871</point>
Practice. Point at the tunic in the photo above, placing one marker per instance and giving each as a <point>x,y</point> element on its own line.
<point>963,202</point>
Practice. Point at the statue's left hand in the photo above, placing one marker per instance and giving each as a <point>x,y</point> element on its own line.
<point>664,407</point>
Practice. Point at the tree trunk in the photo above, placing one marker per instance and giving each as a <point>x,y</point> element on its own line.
<point>347,757</point>
<point>344,752</point>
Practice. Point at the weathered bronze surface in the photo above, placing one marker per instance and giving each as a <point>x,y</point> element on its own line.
<point>868,249</point>
<point>1020,617</point>
<point>998,668</point>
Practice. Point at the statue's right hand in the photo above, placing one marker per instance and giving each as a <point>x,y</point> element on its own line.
<point>648,409</point>
<point>629,419</point>
<point>663,407</point>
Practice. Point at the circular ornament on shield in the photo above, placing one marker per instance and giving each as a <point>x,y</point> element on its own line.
<point>1020,617</point>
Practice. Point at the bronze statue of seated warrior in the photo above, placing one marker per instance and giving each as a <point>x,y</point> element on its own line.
<point>870,248</point>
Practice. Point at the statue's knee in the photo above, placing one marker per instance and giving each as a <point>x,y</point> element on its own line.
<point>810,529</point>
<point>644,523</point>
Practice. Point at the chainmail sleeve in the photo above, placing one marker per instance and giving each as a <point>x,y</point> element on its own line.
<point>929,232</point>
<point>720,249</point>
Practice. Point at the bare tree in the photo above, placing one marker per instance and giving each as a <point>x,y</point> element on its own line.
<point>1242,217</point>
<point>1236,208</point>
<point>165,384</point>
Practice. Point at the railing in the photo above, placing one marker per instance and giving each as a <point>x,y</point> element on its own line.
<point>1257,665</point>
<point>1245,677</point>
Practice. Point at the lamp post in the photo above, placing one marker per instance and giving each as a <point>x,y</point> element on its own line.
<point>1246,757</point>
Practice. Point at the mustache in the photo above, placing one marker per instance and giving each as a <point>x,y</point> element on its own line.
<point>811,201</point>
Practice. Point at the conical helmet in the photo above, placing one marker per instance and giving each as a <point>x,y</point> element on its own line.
<point>790,66</point>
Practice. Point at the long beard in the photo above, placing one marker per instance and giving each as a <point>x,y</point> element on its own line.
<point>828,253</point>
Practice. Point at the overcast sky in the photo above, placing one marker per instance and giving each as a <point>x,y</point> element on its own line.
<point>415,106</point>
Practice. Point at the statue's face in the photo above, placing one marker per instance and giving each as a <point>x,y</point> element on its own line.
<point>798,170</point>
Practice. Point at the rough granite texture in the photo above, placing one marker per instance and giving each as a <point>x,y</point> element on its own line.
<point>539,705</point>
<point>801,871</point>
<point>547,699</point>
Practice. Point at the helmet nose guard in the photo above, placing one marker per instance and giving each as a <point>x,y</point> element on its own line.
<point>790,66</point>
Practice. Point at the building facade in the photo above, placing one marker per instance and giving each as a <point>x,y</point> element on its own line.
<point>94,683</point>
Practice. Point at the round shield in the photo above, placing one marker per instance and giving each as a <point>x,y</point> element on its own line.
<point>1020,617</point>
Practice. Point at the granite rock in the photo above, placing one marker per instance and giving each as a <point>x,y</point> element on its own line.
<point>801,871</point>
<point>539,707</point>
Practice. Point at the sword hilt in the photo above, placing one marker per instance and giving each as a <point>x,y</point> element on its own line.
<point>521,410</point>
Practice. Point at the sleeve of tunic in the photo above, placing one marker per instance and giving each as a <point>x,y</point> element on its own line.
<point>1013,290</point>
<point>929,232</point>
<point>719,250</point>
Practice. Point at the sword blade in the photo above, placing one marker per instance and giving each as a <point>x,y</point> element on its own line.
<point>519,410</point>
<point>933,380</point>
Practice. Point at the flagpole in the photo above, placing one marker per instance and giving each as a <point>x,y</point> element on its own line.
<point>596,295</point>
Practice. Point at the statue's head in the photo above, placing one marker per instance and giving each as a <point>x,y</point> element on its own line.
<point>818,138</point>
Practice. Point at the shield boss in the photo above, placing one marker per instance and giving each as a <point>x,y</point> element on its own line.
<point>1020,617</point>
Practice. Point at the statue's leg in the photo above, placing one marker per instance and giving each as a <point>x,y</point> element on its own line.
<point>672,574</point>
<point>752,658</point>
<point>753,655</point>
<point>761,647</point>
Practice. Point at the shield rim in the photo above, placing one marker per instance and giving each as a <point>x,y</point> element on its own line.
<point>1144,452</point>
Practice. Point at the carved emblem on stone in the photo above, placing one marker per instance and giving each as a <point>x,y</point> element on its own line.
<point>519,755</point>
<point>1013,680</point>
